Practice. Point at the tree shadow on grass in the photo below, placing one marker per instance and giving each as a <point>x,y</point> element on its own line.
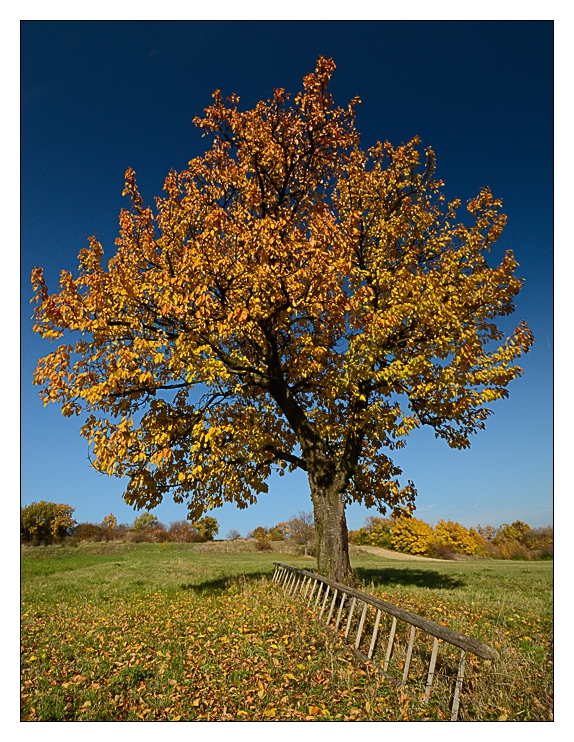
<point>418,577</point>
<point>224,582</point>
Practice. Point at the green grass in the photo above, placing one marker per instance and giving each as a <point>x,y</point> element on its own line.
<point>163,632</point>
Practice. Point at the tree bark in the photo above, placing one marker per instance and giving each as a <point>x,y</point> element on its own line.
<point>331,540</point>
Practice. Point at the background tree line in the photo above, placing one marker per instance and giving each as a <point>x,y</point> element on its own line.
<point>47,523</point>
<point>413,536</point>
<point>43,523</point>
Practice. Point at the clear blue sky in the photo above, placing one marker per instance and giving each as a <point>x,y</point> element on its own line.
<point>97,97</point>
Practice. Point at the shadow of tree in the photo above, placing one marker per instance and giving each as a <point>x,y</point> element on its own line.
<point>399,576</point>
<point>223,582</point>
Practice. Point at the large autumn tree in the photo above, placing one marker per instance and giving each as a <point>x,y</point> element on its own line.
<point>293,301</point>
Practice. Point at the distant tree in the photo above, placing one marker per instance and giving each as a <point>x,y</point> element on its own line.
<point>327,298</point>
<point>516,531</point>
<point>460,539</point>
<point>233,535</point>
<point>207,527</point>
<point>488,533</point>
<point>46,522</point>
<point>302,529</point>
<point>110,522</point>
<point>145,521</point>
<point>260,533</point>
<point>279,532</point>
<point>411,536</point>
<point>377,532</point>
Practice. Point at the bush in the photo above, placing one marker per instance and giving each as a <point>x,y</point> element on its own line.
<point>88,532</point>
<point>183,532</point>
<point>46,522</point>
<point>263,546</point>
<point>461,540</point>
<point>376,532</point>
<point>233,535</point>
<point>540,541</point>
<point>437,550</point>
<point>411,536</point>
<point>159,535</point>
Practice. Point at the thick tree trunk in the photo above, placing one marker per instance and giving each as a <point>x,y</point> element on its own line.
<point>332,545</point>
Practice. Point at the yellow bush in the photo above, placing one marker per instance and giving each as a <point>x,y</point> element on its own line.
<point>460,539</point>
<point>46,522</point>
<point>411,536</point>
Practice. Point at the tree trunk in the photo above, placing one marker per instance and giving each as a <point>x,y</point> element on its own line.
<point>332,545</point>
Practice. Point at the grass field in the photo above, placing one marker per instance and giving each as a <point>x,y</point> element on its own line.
<point>163,632</point>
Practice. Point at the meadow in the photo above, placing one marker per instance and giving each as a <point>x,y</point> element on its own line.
<point>117,631</point>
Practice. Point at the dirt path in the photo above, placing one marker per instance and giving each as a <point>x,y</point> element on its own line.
<point>387,554</point>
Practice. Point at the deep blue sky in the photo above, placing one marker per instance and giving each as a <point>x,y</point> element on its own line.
<point>97,97</point>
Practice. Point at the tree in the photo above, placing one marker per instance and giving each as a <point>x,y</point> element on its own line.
<point>110,522</point>
<point>207,527</point>
<point>460,539</point>
<point>377,532</point>
<point>411,535</point>
<point>46,522</point>
<point>144,521</point>
<point>260,533</point>
<point>302,529</point>
<point>294,301</point>
<point>516,531</point>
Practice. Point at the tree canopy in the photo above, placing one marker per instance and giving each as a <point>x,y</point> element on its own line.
<point>293,301</point>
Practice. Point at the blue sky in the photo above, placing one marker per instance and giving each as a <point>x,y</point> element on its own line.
<point>97,97</point>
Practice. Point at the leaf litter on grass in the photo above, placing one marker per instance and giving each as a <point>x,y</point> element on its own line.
<point>244,651</point>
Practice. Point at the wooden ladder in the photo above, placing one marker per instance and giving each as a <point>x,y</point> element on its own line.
<point>342,606</point>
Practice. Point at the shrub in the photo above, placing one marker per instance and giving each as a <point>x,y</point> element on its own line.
<point>360,537</point>
<point>46,522</point>
<point>411,536</point>
<point>139,536</point>
<point>88,532</point>
<point>461,540</point>
<point>381,532</point>
<point>159,535</point>
<point>233,535</point>
<point>540,541</point>
<point>263,546</point>
<point>437,550</point>
<point>183,532</point>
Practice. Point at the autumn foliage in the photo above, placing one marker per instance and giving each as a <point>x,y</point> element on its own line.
<point>293,301</point>
<point>447,538</point>
<point>411,535</point>
<point>46,522</point>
